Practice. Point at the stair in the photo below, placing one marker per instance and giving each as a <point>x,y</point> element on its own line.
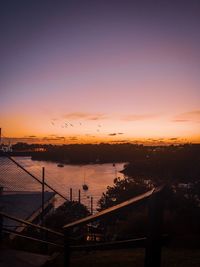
<point>17,258</point>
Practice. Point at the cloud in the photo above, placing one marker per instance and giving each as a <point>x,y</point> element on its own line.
<point>114,134</point>
<point>73,138</point>
<point>191,116</point>
<point>155,139</point>
<point>53,138</point>
<point>174,138</point>
<point>120,141</point>
<point>138,117</point>
<point>85,116</point>
<point>90,135</point>
<point>30,137</point>
<point>179,120</point>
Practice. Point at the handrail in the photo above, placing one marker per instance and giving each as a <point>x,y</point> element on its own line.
<point>31,238</point>
<point>30,224</point>
<point>113,209</point>
<point>118,244</point>
<point>137,242</point>
<point>153,241</point>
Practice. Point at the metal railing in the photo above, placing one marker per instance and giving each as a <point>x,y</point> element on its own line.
<point>29,224</point>
<point>153,241</point>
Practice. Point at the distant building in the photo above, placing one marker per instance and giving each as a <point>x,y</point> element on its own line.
<point>6,148</point>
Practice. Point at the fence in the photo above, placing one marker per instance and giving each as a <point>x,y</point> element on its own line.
<point>21,173</point>
<point>24,195</point>
<point>16,216</point>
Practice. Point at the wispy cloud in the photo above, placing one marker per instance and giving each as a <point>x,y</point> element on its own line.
<point>53,138</point>
<point>120,141</point>
<point>73,138</point>
<point>138,117</point>
<point>85,116</point>
<point>191,116</point>
<point>90,135</point>
<point>180,120</point>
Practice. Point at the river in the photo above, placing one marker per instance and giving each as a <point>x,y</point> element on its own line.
<point>97,177</point>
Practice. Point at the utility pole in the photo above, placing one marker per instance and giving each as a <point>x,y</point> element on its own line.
<point>91,205</point>
<point>79,196</point>
<point>70,194</point>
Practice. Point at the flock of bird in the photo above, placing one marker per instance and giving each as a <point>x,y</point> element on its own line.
<point>69,124</point>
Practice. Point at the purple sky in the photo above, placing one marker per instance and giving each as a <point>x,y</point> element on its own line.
<point>131,67</point>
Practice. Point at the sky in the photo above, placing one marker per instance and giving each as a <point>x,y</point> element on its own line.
<point>100,71</point>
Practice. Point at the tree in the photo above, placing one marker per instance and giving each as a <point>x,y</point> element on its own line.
<point>68,212</point>
<point>122,190</point>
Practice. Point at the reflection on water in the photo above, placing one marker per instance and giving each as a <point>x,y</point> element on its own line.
<point>97,177</point>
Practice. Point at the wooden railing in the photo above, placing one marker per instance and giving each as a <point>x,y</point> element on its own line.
<point>153,241</point>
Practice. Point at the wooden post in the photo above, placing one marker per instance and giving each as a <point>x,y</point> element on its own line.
<point>154,236</point>
<point>66,248</point>
<point>79,196</point>
<point>91,205</point>
<point>1,228</point>
<point>42,213</point>
<point>70,194</point>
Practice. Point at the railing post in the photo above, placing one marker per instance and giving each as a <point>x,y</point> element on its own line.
<point>42,213</point>
<point>154,235</point>
<point>1,217</point>
<point>66,248</point>
<point>1,228</point>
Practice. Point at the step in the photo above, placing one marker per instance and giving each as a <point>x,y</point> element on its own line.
<point>18,258</point>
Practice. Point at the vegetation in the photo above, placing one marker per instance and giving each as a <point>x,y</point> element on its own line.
<point>103,153</point>
<point>178,167</point>
<point>66,213</point>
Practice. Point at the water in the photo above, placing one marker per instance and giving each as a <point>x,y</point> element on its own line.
<point>97,177</point>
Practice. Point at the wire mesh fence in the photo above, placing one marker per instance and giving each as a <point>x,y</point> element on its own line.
<point>13,178</point>
<point>22,194</point>
<point>22,174</point>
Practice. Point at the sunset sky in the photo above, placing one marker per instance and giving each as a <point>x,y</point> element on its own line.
<point>93,71</point>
